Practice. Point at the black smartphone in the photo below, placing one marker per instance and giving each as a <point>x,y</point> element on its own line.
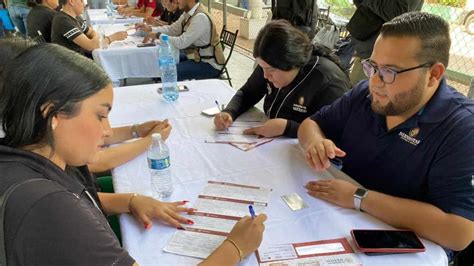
<point>148,44</point>
<point>181,88</point>
<point>378,242</point>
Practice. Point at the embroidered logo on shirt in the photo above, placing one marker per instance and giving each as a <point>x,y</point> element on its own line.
<point>299,108</point>
<point>301,100</point>
<point>410,138</point>
<point>414,132</point>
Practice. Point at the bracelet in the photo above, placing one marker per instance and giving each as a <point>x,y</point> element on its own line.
<point>135,131</point>
<point>237,247</point>
<point>108,39</point>
<point>130,202</point>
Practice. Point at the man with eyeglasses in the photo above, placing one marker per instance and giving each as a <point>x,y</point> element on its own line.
<point>404,135</point>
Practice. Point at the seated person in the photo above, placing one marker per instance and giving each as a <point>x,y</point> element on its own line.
<point>112,157</point>
<point>295,77</point>
<point>71,31</point>
<point>194,32</point>
<point>40,19</point>
<point>144,8</point>
<point>170,14</point>
<point>63,125</point>
<point>404,134</point>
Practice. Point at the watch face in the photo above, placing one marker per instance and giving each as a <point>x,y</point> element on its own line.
<point>360,192</point>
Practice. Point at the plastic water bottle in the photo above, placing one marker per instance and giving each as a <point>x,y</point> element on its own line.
<point>110,11</point>
<point>168,70</point>
<point>159,164</point>
<point>102,40</point>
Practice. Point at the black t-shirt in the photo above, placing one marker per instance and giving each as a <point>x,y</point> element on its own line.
<point>40,19</point>
<point>66,28</point>
<point>171,17</point>
<point>54,223</point>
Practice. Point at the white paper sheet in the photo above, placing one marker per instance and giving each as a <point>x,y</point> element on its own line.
<point>237,192</point>
<point>228,208</point>
<point>193,244</point>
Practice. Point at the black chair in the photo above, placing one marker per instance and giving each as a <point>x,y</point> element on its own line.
<point>228,40</point>
<point>39,38</point>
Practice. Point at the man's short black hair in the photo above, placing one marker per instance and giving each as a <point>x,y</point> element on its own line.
<point>432,30</point>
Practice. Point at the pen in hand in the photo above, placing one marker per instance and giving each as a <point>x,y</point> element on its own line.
<point>252,212</point>
<point>220,107</point>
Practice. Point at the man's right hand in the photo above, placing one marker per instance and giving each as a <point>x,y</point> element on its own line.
<point>223,120</point>
<point>150,37</point>
<point>319,150</point>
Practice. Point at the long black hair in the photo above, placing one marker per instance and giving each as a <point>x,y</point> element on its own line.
<point>285,47</point>
<point>43,81</point>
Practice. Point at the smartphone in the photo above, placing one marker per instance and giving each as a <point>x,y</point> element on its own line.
<point>181,88</point>
<point>148,44</point>
<point>378,242</point>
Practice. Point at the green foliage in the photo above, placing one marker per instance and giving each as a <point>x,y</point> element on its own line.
<point>453,3</point>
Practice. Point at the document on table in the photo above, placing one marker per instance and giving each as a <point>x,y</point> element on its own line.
<point>236,191</point>
<point>231,138</point>
<point>193,244</point>
<point>325,252</point>
<point>219,207</point>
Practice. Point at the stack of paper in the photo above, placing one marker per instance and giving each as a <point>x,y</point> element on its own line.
<point>235,136</point>
<point>219,206</point>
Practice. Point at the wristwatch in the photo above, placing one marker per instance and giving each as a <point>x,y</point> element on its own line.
<point>359,194</point>
<point>135,131</point>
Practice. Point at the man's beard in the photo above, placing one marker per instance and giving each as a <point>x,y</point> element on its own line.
<point>402,102</point>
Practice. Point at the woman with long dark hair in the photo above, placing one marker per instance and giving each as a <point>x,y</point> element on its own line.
<point>295,77</point>
<point>55,119</point>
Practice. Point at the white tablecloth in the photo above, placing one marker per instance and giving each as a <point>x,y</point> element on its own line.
<point>279,165</point>
<point>123,59</point>
<point>99,16</point>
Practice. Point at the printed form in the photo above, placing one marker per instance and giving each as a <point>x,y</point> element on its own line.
<point>219,207</point>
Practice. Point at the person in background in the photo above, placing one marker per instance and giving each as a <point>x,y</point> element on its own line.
<point>295,77</point>
<point>18,10</point>
<point>195,33</point>
<point>404,135</point>
<point>365,25</point>
<point>111,157</point>
<point>170,14</point>
<point>41,17</point>
<point>62,127</point>
<point>144,8</point>
<point>71,31</point>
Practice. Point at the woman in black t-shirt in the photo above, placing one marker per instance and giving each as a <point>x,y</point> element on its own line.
<point>40,19</point>
<point>295,77</point>
<point>55,120</point>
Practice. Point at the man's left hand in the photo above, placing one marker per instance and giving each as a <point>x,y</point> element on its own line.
<point>336,191</point>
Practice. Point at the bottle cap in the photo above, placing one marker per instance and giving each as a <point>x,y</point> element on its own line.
<point>156,136</point>
<point>164,37</point>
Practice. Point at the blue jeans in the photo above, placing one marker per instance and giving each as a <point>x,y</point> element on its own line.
<point>18,14</point>
<point>191,70</point>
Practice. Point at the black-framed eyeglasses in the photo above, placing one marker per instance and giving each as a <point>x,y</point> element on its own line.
<point>386,74</point>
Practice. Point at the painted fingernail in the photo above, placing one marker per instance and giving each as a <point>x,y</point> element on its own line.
<point>185,201</point>
<point>190,222</point>
<point>147,226</point>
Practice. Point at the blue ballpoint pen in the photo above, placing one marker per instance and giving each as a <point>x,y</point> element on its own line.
<point>252,212</point>
<point>218,106</point>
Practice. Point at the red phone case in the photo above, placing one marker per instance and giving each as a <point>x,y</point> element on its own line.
<point>386,250</point>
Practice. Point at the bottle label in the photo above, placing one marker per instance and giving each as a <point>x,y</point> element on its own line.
<point>159,164</point>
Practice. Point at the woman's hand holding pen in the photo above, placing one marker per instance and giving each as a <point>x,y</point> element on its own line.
<point>223,120</point>
<point>145,209</point>
<point>247,233</point>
